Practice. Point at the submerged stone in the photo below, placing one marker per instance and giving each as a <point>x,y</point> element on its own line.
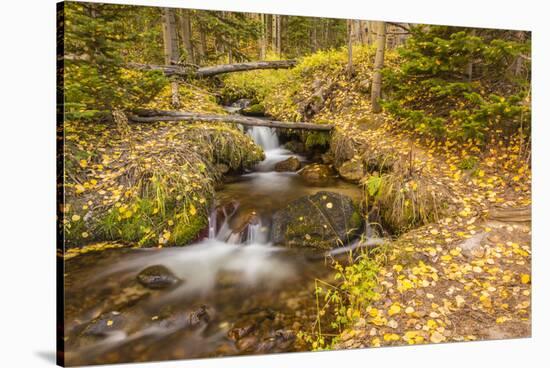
<point>317,174</point>
<point>157,277</point>
<point>323,220</point>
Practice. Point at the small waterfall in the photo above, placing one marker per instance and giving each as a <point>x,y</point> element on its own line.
<point>253,233</point>
<point>257,234</point>
<point>264,137</point>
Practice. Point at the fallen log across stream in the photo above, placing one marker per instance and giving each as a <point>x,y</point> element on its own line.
<point>210,71</point>
<point>152,116</point>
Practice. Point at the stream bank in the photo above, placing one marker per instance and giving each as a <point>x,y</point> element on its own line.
<point>231,292</point>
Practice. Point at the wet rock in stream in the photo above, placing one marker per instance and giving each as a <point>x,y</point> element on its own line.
<point>323,220</point>
<point>157,277</point>
<point>290,164</point>
<point>104,325</point>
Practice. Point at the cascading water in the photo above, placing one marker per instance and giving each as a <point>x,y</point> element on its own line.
<point>264,137</point>
<point>235,274</point>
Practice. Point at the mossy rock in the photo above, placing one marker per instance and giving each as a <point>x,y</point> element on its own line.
<point>352,170</point>
<point>254,110</point>
<point>323,221</point>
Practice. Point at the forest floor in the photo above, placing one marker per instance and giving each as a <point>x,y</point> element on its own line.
<point>466,276</point>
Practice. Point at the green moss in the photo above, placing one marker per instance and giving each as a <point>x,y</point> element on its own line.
<point>184,233</point>
<point>254,110</point>
<point>356,220</point>
<point>317,139</point>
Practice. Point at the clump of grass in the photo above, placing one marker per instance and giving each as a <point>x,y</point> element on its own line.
<point>148,184</point>
<point>402,201</point>
<point>317,140</point>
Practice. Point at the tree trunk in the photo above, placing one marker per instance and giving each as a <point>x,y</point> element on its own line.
<point>279,36</point>
<point>269,30</point>
<point>171,49</point>
<point>203,45</point>
<point>262,41</point>
<point>350,48</point>
<point>378,65</point>
<point>152,116</point>
<point>186,34</point>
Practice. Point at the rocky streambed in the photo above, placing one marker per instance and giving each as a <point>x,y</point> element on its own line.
<point>247,288</point>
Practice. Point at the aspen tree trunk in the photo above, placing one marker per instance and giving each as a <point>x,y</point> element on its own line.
<point>314,38</point>
<point>370,32</point>
<point>186,34</point>
<point>171,49</point>
<point>269,30</point>
<point>350,48</point>
<point>279,35</point>
<point>274,33</point>
<point>378,65</point>
<point>327,30</point>
<point>262,37</point>
<point>363,32</point>
<point>202,44</point>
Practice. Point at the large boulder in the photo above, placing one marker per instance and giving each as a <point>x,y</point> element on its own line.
<point>290,164</point>
<point>317,174</point>
<point>323,220</point>
<point>352,170</point>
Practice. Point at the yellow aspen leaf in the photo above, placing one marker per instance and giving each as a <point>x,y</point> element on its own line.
<point>192,210</point>
<point>109,323</point>
<point>170,222</point>
<point>75,218</point>
<point>79,188</point>
<point>437,337</point>
<point>391,337</point>
<point>525,278</point>
<point>394,309</point>
<point>502,319</point>
<point>329,205</point>
<point>83,163</point>
<point>409,310</point>
<point>397,268</point>
<point>84,234</point>
<point>459,300</point>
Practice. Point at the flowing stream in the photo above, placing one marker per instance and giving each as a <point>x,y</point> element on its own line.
<point>237,294</point>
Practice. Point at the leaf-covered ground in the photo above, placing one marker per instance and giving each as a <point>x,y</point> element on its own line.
<point>466,276</point>
<point>459,266</point>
